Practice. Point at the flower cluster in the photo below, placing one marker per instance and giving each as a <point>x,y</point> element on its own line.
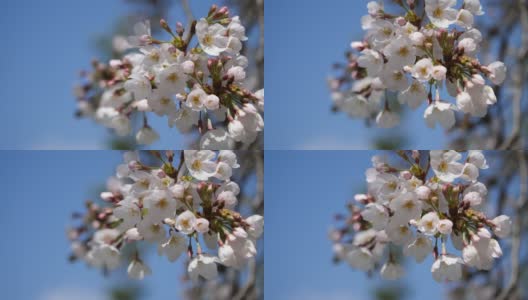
<point>178,209</point>
<point>194,87</point>
<point>411,58</point>
<point>415,209</point>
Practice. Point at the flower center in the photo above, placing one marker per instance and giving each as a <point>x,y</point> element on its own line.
<point>208,40</point>
<point>154,56</point>
<point>392,185</point>
<point>409,205</point>
<point>397,76</point>
<point>196,165</point>
<point>173,77</point>
<point>403,51</point>
<point>162,203</point>
<point>438,13</point>
<point>155,228</point>
<point>429,224</point>
<point>165,101</point>
<point>173,241</point>
<point>144,183</point>
<point>166,181</point>
<point>443,166</point>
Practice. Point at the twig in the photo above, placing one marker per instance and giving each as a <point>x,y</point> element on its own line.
<point>260,50</point>
<point>187,10</point>
<point>181,164</point>
<point>259,170</point>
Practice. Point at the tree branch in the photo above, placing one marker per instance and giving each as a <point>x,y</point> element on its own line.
<point>260,50</point>
<point>187,10</point>
<point>511,289</point>
<point>250,283</point>
<point>259,170</point>
<point>515,137</point>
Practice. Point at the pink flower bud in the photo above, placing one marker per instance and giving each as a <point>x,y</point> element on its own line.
<point>401,21</point>
<point>361,198</point>
<point>406,175</point>
<point>188,67</point>
<point>359,46</point>
<point>423,192</point>
<point>224,10</point>
<point>115,63</point>
<point>107,196</point>
<point>473,198</point>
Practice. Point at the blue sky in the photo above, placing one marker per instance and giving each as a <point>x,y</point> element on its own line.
<point>304,190</point>
<point>38,212</point>
<point>47,44</point>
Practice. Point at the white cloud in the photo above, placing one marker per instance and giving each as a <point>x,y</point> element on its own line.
<point>72,292</point>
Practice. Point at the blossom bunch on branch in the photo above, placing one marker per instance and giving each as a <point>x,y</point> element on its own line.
<point>188,208</point>
<point>415,210</point>
<point>196,79</point>
<point>411,57</point>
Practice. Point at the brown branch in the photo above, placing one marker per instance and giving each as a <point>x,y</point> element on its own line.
<point>259,57</point>
<point>515,137</point>
<point>257,204</point>
<point>259,170</point>
<point>244,292</point>
<point>512,287</point>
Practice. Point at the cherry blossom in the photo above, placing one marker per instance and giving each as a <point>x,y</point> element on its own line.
<point>181,208</point>
<point>413,207</point>
<point>411,58</point>
<point>198,85</point>
<point>447,268</point>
